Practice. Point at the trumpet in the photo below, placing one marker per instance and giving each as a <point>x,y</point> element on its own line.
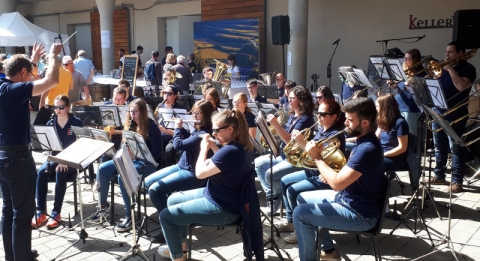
<point>293,150</point>
<point>331,153</point>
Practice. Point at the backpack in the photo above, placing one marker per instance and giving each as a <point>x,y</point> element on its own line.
<point>150,70</point>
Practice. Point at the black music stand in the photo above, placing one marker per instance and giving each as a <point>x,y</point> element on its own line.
<point>268,91</point>
<point>89,115</point>
<point>131,181</point>
<point>446,239</point>
<point>80,155</point>
<point>110,115</point>
<point>274,152</point>
<point>140,150</point>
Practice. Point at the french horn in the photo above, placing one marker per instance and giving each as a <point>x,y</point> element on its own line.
<point>331,154</point>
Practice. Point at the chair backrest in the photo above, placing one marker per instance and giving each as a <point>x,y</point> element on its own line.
<point>378,228</point>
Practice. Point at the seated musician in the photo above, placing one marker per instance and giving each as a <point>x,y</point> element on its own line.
<point>212,96</point>
<point>280,80</point>
<point>359,188</point>
<point>323,93</point>
<point>392,131</point>
<point>252,87</point>
<point>181,177</point>
<point>348,88</point>
<point>125,84</point>
<point>293,184</point>
<point>170,95</point>
<point>118,99</point>
<point>207,74</point>
<point>219,202</point>
<point>301,117</point>
<point>240,102</point>
<point>283,104</point>
<point>62,122</point>
<point>137,121</point>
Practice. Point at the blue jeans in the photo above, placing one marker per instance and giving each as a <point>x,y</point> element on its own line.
<point>442,146</point>
<point>168,180</point>
<point>320,209</point>
<point>281,168</point>
<point>412,120</point>
<point>107,171</point>
<point>185,208</point>
<point>296,183</point>
<point>60,186</point>
<point>17,180</point>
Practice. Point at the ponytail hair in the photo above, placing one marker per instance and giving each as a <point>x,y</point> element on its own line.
<point>236,119</point>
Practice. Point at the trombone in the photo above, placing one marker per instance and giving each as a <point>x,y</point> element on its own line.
<point>434,68</point>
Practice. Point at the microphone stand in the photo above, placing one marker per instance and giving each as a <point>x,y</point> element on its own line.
<point>385,41</point>
<point>329,67</point>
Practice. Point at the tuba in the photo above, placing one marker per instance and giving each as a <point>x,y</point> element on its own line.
<point>267,78</point>
<point>293,151</point>
<point>220,68</point>
<point>331,154</point>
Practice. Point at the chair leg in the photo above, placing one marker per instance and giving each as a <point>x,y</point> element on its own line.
<point>112,200</point>
<point>376,249</point>
<point>358,238</point>
<point>189,243</point>
<point>400,183</point>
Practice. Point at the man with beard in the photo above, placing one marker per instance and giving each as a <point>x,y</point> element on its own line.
<point>359,188</point>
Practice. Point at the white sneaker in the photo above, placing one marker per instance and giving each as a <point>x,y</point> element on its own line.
<point>291,239</point>
<point>277,203</point>
<point>163,251</point>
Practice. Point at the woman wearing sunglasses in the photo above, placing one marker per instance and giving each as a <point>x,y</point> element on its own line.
<point>323,93</point>
<point>62,121</point>
<point>331,121</point>
<point>217,203</point>
<point>301,117</point>
<point>170,94</point>
<point>181,177</point>
<point>240,102</point>
<point>137,121</point>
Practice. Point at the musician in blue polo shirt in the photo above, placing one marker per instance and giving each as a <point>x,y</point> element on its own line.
<point>252,87</point>
<point>283,104</point>
<point>456,81</point>
<point>359,188</point>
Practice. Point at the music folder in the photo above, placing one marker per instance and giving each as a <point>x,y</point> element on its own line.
<point>261,122</point>
<point>82,153</point>
<point>125,167</point>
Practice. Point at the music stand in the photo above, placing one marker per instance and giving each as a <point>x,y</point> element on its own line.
<point>82,132</point>
<point>446,238</point>
<point>110,115</point>
<point>89,115</point>
<point>164,113</point>
<point>268,91</point>
<point>79,156</point>
<point>260,120</point>
<point>131,181</point>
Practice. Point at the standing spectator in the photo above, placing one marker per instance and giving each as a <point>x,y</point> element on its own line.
<point>181,68</point>
<point>168,50</point>
<point>139,52</point>
<point>121,53</point>
<point>192,63</point>
<point>170,62</point>
<point>153,70</point>
<point>79,83</point>
<point>86,68</point>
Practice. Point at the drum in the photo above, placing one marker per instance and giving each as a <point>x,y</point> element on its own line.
<point>101,92</point>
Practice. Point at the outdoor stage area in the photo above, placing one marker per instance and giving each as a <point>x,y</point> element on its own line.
<point>211,244</point>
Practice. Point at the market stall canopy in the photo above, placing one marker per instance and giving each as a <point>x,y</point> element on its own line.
<point>16,30</point>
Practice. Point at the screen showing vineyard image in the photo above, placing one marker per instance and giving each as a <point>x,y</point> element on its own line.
<point>215,40</point>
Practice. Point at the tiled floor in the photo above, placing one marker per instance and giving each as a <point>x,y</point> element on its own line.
<point>213,244</point>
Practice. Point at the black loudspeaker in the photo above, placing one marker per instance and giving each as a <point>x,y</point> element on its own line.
<point>280,30</point>
<point>466,28</point>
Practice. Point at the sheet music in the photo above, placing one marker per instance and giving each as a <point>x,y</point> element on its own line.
<point>164,113</point>
<point>262,126</point>
<point>397,69</point>
<point>82,153</point>
<point>103,136</point>
<point>139,148</point>
<point>110,116</point>
<point>436,92</point>
<point>363,78</point>
<point>81,132</point>
<point>47,138</point>
<point>130,177</point>
<point>122,112</point>
<point>253,106</point>
<point>380,67</point>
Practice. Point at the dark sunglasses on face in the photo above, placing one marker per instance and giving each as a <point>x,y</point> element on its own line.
<point>319,97</point>
<point>61,107</point>
<point>323,114</point>
<point>168,93</point>
<point>221,128</point>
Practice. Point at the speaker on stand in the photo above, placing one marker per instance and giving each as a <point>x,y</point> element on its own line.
<point>466,25</point>
<point>281,33</point>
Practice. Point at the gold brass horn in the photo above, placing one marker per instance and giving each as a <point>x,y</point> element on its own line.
<point>410,71</point>
<point>293,151</point>
<point>434,68</point>
<point>220,68</point>
<point>331,154</point>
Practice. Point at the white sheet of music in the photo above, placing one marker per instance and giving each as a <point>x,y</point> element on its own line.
<point>82,153</point>
<point>363,78</point>
<point>48,137</point>
<point>169,114</point>
<point>127,170</point>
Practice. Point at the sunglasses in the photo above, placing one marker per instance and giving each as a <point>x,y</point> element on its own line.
<point>168,93</point>
<point>221,128</point>
<point>323,114</point>
<point>319,97</point>
<point>61,107</point>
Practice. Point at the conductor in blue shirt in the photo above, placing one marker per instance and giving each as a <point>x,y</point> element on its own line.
<point>359,188</point>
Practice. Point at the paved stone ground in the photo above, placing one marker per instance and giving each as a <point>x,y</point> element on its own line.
<point>212,244</point>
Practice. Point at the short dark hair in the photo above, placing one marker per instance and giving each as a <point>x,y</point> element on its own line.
<point>155,53</point>
<point>458,46</point>
<point>168,49</point>
<point>127,83</point>
<point>207,68</point>
<point>289,84</point>
<point>252,81</point>
<point>139,48</point>
<point>327,92</point>
<point>122,50</point>
<point>16,63</point>
<point>364,108</point>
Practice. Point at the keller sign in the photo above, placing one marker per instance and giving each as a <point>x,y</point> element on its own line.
<point>416,23</point>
